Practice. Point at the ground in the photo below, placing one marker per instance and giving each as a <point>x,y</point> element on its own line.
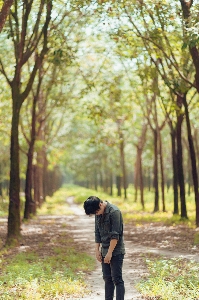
<point>156,239</point>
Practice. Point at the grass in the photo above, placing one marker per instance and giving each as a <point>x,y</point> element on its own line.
<point>133,211</point>
<point>171,279</point>
<point>32,276</point>
<point>56,205</point>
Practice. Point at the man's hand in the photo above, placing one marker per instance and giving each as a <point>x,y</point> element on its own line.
<point>107,258</point>
<point>98,255</point>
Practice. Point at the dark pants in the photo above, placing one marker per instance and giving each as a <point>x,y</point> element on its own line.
<point>112,275</point>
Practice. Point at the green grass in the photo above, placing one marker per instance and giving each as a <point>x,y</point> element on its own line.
<point>30,275</point>
<point>56,205</point>
<point>133,211</point>
<point>171,279</point>
<point>81,194</point>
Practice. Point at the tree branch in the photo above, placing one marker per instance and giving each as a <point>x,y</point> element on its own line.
<point>5,12</point>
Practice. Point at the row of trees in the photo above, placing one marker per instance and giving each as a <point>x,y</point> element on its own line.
<point>100,92</point>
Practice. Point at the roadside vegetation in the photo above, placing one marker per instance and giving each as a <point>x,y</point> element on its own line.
<point>27,275</point>
<point>171,279</point>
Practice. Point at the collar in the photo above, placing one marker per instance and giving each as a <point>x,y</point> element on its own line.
<point>106,211</point>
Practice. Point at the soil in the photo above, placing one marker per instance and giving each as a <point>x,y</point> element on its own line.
<point>146,239</point>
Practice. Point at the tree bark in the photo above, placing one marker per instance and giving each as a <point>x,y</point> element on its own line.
<point>13,233</point>
<point>29,203</point>
<point>193,159</point>
<point>136,176</point>
<point>161,171</point>
<point>155,172</point>
<point>118,184</point>
<point>175,171</point>
<point>141,183</point>
<point>180,165</point>
<point>5,12</point>
<point>123,167</point>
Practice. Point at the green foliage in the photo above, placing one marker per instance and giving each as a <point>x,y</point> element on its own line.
<point>171,279</point>
<point>58,274</point>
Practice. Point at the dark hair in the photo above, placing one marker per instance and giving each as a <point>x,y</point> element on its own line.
<point>91,205</point>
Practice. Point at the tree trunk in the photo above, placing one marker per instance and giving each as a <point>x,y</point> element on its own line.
<point>14,199</point>
<point>141,183</point>
<point>195,139</point>
<point>175,171</point>
<point>123,167</point>
<point>149,179</point>
<point>162,172</point>
<point>155,172</point>
<point>136,176</point>
<point>193,159</point>
<point>29,203</point>
<point>180,166</point>
<point>118,184</point>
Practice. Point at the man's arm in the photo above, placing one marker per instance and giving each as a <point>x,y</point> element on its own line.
<point>112,246</point>
<point>97,252</point>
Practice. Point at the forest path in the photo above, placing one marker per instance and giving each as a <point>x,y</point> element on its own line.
<point>137,242</point>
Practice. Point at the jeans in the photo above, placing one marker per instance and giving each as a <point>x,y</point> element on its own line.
<point>112,275</point>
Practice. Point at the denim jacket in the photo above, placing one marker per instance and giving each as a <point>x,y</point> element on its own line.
<point>110,226</point>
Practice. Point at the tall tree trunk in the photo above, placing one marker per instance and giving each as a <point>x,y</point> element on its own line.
<point>155,172</point>
<point>161,171</point>
<point>136,175</point>
<point>14,199</point>
<point>195,139</point>
<point>141,183</point>
<point>29,203</point>
<point>123,167</point>
<point>193,159</point>
<point>175,171</point>
<point>180,166</point>
<point>149,179</point>
<point>118,184</point>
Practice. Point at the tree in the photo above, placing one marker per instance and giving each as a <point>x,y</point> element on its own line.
<point>26,44</point>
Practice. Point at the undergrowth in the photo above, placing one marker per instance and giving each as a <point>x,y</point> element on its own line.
<point>37,275</point>
<point>171,279</point>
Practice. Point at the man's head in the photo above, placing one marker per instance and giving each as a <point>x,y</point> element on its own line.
<point>93,205</point>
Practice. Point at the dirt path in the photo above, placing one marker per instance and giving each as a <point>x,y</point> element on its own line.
<point>151,238</point>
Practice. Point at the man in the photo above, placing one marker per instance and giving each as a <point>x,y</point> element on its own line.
<point>109,247</point>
